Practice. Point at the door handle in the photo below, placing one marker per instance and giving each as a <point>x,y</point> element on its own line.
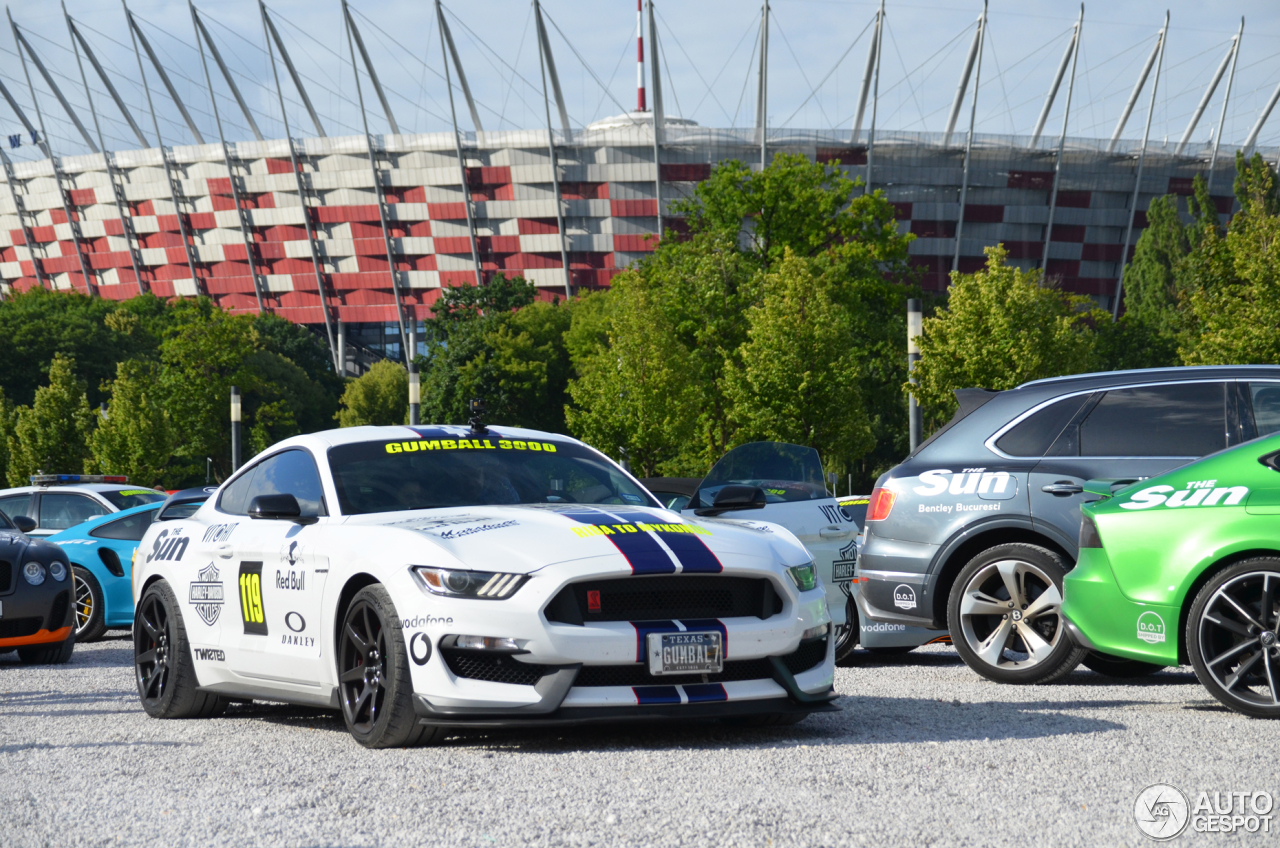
<point>1062,488</point>
<point>834,532</point>
<point>224,551</point>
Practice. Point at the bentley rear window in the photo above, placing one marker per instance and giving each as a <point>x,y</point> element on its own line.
<point>436,472</point>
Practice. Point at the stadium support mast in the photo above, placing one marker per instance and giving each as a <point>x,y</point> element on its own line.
<point>659,118</point>
<point>640,104</point>
<point>762,96</point>
<point>226,75</point>
<point>875,99</point>
<point>368,66</point>
<point>457,147</point>
<point>1137,90</point>
<point>377,190</point>
<point>1222,119</point>
<point>1208,92</point>
<point>1067,58</point>
<point>302,195</point>
<point>72,221</point>
<point>141,38</point>
<point>242,215</point>
<point>77,36</point>
<point>867,74</point>
<point>20,42</point>
<point>975,48</point>
<point>1137,177</point>
<point>968,144</point>
<point>1062,140</point>
<point>126,224</point>
<point>164,154</point>
<point>293,74</point>
<point>545,63</point>
<point>12,182</point>
<point>462,76</point>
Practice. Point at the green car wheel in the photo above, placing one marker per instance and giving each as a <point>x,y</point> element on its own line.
<point>1231,637</point>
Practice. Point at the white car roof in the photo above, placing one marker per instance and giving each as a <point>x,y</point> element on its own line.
<point>79,487</point>
<point>350,435</point>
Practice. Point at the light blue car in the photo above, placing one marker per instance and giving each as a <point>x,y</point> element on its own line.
<point>101,554</point>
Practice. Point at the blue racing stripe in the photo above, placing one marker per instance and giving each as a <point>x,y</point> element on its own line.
<point>694,555</point>
<point>644,628</point>
<point>656,694</point>
<point>702,692</point>
<point>709,624</point>
<point>642,551</point>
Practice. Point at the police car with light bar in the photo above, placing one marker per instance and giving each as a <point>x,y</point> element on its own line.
<point>426,578</point>
<point>54,502</point>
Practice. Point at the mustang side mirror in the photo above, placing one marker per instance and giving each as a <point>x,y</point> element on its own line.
<point>733,498</point>
<point>24,523</point>
<point>278,508</point>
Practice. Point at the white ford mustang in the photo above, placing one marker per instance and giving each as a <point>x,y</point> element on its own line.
<point>427,578</point>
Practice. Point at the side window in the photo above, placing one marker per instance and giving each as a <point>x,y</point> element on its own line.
<point>1176,419</point>
<point>59,511</point>
<point>235,498</point>
<point>1266,409</point>
<point>1033,435</point>
<point>131,528</point>
<point>16,505</point>
<point>292,472</point>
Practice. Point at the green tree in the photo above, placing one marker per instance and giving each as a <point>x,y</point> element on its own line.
<point>798,380</point>
<point>8,420</point>
<point>379,396</point>
<point>1237,278</point>
<point>136,438</point>
<point>1001,327</point>
<point>51,435</point>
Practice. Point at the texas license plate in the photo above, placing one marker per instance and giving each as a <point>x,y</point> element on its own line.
<point>842,570</point>
<point>686,653</point>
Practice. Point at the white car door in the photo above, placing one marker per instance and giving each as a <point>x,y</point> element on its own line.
<point>278,572</point>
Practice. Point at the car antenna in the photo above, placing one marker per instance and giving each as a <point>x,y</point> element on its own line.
<point>477,409</point>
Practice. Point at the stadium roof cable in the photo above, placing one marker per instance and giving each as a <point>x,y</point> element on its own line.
<point>813,90</point>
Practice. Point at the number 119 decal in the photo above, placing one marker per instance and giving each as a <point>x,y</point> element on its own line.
<point>252,612</point>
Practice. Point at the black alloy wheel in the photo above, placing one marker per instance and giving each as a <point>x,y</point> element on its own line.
<point>1233,637</point>
<point>163,669</point>
<point>375,686</point>
<point>90,621</point>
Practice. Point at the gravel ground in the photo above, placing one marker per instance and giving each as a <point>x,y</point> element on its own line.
<point>924,753</point>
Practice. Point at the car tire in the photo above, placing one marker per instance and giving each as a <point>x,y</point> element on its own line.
<point>848,634</point>
<point>91,614</point>
<point>55,654</point>
<point>1232,639</point>
<point>1119,667</point>
<point>162,664</point>
<point>374,685</point>
<point>987,615</point>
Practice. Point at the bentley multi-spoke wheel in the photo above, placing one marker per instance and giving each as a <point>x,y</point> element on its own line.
<point>90,615</point>
<point>1005,617</point>
<point>373,675</point>
<point>162,660</point>
<point>1233,637</point>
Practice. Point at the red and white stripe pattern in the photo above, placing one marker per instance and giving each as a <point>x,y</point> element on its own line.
<point>640,104</point>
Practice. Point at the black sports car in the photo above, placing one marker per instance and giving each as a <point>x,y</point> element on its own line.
<point>36,614</point>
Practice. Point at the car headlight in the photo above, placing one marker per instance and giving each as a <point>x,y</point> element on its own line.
<point>804,576</point>
<point>456,583</point>
<point>57,571</point>
<point>34,572</point>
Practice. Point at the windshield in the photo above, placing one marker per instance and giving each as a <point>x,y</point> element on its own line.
<point>432,473</point>
<point>129,498</point>
<point>785,473</point>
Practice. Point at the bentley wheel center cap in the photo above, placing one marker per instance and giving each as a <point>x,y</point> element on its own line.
<point>1016,615</point>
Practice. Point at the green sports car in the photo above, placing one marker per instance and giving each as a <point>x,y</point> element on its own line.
<point>1186,566</point>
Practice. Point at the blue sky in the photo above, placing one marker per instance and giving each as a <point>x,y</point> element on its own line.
<point>709,73</point>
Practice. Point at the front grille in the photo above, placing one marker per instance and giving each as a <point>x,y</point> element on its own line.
<point>496,668</point>
<point>58,615</point>
<point>806,657</point>
<point>6,577</point>
<point>667,597</point>
<point>15,628</point>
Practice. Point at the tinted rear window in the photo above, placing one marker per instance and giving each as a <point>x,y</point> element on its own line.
<point>1033,435</point>
<point>131,528</point>
<point>1175,419</point>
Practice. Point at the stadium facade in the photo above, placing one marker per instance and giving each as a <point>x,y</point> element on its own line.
<point>357,235</point>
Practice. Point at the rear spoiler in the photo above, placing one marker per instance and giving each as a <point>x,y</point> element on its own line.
<point>968,400</point>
